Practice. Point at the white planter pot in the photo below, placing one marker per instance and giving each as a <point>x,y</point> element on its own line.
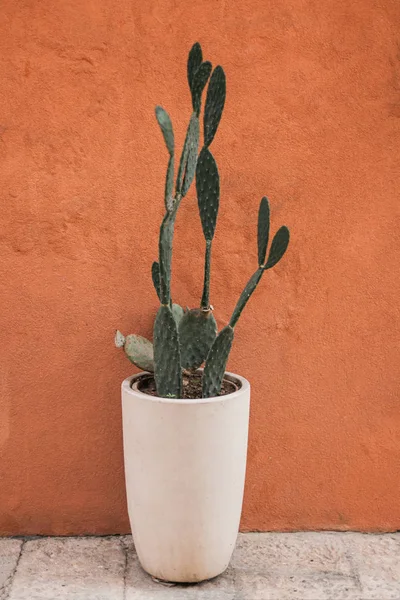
<point>185,463</point>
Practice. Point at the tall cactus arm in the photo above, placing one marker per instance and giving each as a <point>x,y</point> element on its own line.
<point>215,102</point>
<point>277,250</point>
<point>167,360</point>
<point>165,251</point>
<point>207,186</point>
<point>218,356</point>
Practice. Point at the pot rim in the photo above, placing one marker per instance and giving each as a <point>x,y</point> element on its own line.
<point>129,386</point>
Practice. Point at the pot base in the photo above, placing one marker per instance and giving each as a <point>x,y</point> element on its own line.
<point>185,463</point>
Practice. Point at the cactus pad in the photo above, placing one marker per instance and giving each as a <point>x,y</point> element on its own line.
<point>194,61</point>
<point>193,146</point>
<point>263,230</point>
<point>199,82</point>
<point>207,186</point>
<point>217,358</point>
<point>119,339</point>
<point>169,185</point>
<point>178,313</point>
<point>139,351</point>
<point>166,127</point>
<point>167,372</point>
<point>214,104</point>
<point>165,250</point>
<point>197,332</point>
<point>278,246</point>
<point>190,141</point>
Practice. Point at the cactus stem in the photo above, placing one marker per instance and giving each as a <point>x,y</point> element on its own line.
<point>165,250</point>
<point>205,300</point>
<point>245,296</point>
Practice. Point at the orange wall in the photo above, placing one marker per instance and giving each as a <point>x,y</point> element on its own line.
<point>311,120</point>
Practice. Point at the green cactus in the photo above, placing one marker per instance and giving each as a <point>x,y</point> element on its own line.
<point>263,230</point>
<point>184,340</point>
<point>167,359</point>
<point>178,313</point>
<point>187,165</point>
<point>165,255</point>
<point>165,124</point>
<point>197,332</point>
<point>278,246</point>
<point>214,104</point>
<point>216,362</point>
<point>155,275</point>
<point>194,61</point>
<point>137,349</point>
<point>245,295</point>
<point>207,187</point>
<point>199,82</point>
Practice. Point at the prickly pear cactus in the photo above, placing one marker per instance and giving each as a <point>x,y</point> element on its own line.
<point>199,82</point>
<point>215,102</point>
<point>278,247</point>
<point>215,366</point>
<point>216,362</point>
<point>137,349</point>
<point>156,277</point>
<point>194,61</point>
<point>183,340</point>
<point>197,332</point>
<point>167,359</point>
<point>178,313</point>
<point>207,187</point>
<point>263,230</point>
<point>187,166</point>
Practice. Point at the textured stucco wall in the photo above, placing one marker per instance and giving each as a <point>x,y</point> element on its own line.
<point>311,120</point>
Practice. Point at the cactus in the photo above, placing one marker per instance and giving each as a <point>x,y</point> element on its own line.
<point>199,82</point>
<point>185,340</point>
<point>197,332</point>
<point>263,230</point>
<point>137,349</point>
<point>165,124</point>
<point>187,165</point>
<point>216,362</point>
<point>178,313</point>
<point>194,61</point>
<point>167,359</point>
<point>207,186</point>
<point>278,247</point>
<point>214,104</point>
<point>155,274</point>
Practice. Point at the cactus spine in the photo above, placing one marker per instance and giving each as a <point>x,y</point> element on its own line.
<point>184,340</point>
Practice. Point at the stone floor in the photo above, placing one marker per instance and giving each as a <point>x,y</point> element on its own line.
<point>265,566</point>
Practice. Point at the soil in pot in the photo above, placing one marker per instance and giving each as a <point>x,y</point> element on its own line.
<point>192,386</point>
